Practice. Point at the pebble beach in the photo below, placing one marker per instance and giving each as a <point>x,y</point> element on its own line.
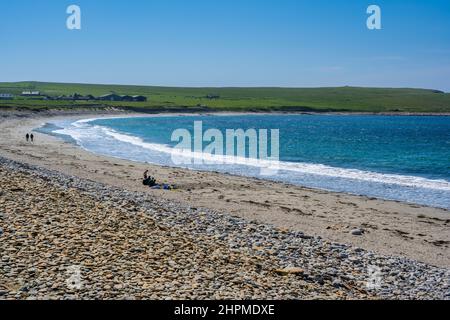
<point>130,245</point>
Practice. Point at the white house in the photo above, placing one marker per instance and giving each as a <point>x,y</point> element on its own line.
<point>6,96</point>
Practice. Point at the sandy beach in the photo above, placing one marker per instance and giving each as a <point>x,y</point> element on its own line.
<point>390,229</point>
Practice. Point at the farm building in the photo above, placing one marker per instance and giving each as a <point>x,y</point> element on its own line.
<point>77,96</point>
<point>73,97</point>
<point>127,98</point>
<point>6,96</point>
<point>110,97</point>
<point>139,98</point>
<point>89,97</point>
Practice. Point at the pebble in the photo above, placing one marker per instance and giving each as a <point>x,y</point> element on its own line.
<point>337,283</point>
<point>290,270</point>
<point>357,232</point>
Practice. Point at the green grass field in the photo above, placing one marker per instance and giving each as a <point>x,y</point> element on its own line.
<point>344,99</point>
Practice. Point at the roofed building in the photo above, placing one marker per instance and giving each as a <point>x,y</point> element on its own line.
<point>110,97</point>
<point>139,98</point>
<point>127,98</point>
<point>6,96</point>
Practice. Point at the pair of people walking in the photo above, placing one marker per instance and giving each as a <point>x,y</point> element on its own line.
<point>29,137</point>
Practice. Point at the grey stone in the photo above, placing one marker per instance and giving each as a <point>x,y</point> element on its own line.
<point>357,232</point>
<point>337,283</point>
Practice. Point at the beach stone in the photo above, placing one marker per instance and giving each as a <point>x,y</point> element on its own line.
<point>319,279</point>
<point>357,232</point>
<point>290,270</point>
<point>337,283</point>
<point>343,255</point>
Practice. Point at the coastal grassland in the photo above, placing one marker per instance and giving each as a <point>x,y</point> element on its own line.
<point>341,99</point>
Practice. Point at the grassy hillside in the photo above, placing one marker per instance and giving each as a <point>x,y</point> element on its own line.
<point>349,99</point>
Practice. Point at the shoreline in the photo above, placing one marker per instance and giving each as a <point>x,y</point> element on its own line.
<point>391,227</point>
<point>90,118</point>
<point>5,112</point>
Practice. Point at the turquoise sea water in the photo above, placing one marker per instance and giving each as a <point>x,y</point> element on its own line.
<point>391,157</point>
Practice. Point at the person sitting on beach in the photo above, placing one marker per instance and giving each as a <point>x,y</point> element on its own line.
<point>151,182</point>
<point>27,136</point>
<point>148,180</point>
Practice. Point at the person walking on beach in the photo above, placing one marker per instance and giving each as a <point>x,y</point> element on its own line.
<point>32,137</point>
<point>27,136</point>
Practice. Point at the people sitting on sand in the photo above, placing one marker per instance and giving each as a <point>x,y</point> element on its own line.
<point>151,182</point>
<point>148,180</point>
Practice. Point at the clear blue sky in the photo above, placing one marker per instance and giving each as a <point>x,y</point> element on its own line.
<point>291,43</point>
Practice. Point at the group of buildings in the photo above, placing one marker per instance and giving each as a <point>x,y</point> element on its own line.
<point>6,96</point>
<point>106,97</point>
<point>78,97</point>
<point>115,97</point>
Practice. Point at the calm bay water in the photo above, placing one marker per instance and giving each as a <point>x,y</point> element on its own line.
<point>390,157</point>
